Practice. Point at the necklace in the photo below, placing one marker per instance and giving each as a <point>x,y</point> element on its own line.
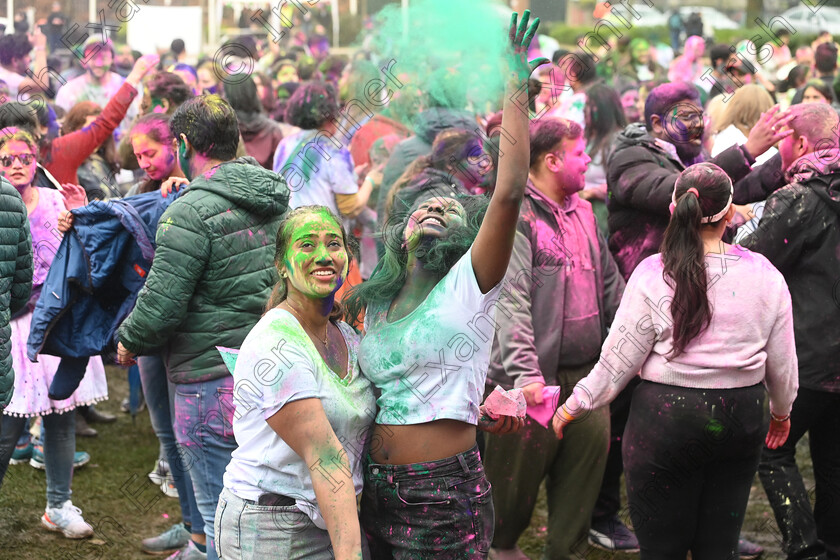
<point>307,325</point>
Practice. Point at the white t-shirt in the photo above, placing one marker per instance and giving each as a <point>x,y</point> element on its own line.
<point>84,88</point>
<point>13,80</point>
<point>278,364</point>
<point>432,363</point>
<point>329,169</point>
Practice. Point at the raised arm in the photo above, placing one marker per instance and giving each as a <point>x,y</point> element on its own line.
<point>303,425</point>
<point>494,242</point>
<point>77,146</point>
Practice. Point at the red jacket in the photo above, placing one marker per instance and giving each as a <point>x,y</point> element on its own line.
<point>63,156</point>
<point>370,132</point>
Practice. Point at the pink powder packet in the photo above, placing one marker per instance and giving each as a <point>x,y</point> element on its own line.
<point>542,413</point>
<point>505,403</point>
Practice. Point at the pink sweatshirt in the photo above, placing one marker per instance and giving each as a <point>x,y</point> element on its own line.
<point>749,340</point>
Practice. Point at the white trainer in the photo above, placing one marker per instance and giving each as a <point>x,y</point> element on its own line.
<point>68,520</point>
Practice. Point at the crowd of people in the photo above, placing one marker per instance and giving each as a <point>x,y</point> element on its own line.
<point>319,271</point>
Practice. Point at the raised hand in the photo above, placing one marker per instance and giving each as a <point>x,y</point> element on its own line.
<point>519,66</point>
<point>37,37</point>
<point>74,196</point>
<point>142,67</point>
<point>770,128</point>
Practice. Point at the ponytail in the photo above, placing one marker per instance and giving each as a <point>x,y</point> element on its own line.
<point>278,296</point>
<point>685,270</point>
<point>702,197</point>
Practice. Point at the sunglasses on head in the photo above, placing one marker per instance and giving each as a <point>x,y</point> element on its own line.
<point>25,159</point>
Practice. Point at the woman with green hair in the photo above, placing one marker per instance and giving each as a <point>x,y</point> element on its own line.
<point>429,315</point>
<point>639,66</point>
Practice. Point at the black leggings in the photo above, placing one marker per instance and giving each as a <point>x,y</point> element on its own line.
<point>690,456</point>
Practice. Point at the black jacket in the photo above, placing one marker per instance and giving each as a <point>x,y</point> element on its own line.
<point>799,233</point>
<point>640,181</point>
<point>429,123</point>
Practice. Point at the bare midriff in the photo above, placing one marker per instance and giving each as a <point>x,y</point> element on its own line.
<point>420,443</point>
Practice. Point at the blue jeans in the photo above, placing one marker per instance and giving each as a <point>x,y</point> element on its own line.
<point>59,448</point>
<point>440,509</point>
<point>160,398</point>
<point>204,429</point>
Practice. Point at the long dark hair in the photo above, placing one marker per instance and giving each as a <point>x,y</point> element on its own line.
<point>75,120</point>
<point>284,234</point>
<point>683,258</point>
<point>798,73</point>
<point>439,255</point>
<point>242,96</point>
<point>169,86</point>
<point>606,117</point>
<point>821,87</point>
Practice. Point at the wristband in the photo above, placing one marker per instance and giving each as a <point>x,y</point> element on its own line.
<point>778,419</point>
<point>564,415</point>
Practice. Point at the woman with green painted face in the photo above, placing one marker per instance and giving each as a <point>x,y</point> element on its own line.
<point>639,66</point>
<point>303,410</point>
<point>429,315</point>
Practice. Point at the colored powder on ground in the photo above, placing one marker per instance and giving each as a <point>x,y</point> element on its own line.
<point>451,50</point>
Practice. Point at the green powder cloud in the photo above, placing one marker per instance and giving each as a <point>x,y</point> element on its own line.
<point>452,50</point>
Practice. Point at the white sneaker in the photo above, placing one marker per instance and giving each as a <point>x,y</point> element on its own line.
<point>68,520</point>
<point>158,475</point>
<point>168,486</point>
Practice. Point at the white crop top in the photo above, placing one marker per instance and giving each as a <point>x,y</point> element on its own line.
<point>432,363</point>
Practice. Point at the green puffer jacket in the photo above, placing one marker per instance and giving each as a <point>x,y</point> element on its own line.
<point>213,270</point>
<point>15,277</point>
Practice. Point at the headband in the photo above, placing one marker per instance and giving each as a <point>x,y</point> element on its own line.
<point>705,219</point>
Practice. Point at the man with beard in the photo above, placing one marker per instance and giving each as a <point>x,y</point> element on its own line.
<point>799,234</point>
<point>124,61</point>
<point>642,168</point>
<point>98,83</point>
<point>564,290</point>
<point>646,160</point>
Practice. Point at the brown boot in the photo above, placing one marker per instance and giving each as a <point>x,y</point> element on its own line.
<point>82,428</point>
<point>96,416</point>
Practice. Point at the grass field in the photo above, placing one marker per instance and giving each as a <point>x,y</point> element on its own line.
<point>120,502</point>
